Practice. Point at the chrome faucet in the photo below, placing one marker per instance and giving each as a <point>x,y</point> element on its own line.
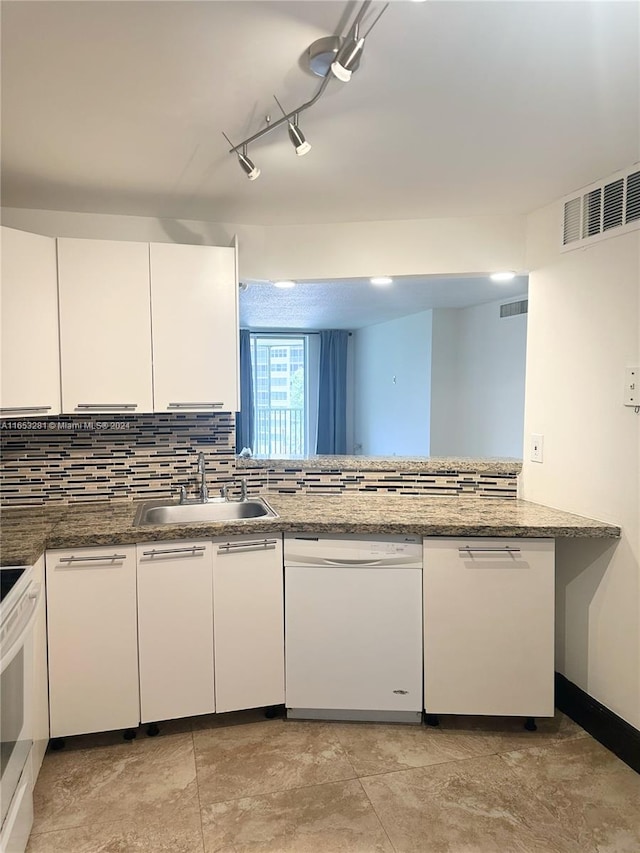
<point>224,491</point>
<point>204,492</point>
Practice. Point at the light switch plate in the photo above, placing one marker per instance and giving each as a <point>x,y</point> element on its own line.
<point>632,386</point>
<point>537,444</point>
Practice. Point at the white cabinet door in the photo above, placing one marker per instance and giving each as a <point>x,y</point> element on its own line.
<point>93,644</point>
<point>40,676</point>
<point>105,326</point>
<point>175,630</point>
<point>30,377</point>
<point>194,299</point>
<point>248,622</point>
<point>489,626</point>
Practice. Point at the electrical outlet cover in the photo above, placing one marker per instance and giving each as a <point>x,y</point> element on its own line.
<point>537,443</point>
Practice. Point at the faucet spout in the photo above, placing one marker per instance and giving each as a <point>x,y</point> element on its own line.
<point>202,470</point>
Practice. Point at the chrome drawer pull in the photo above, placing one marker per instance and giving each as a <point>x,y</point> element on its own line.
<point>195,405</point>
<point>468,549</point>
<point>266,544</point>
<point>91,558</point>
<point>155,551</point>
<point>9,409</point>
<point>90,406</point>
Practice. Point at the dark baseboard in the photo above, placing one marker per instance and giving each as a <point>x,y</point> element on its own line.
<point>605,726</point>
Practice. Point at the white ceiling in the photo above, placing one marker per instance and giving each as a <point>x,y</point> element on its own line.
<point>355,303</point>
<point>459,108</point>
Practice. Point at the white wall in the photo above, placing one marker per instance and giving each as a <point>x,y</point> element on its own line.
<point>444,382</point>
<point>343,250</point>
<point>405,247</point>
<point>392,378</point>
<point>584,328</point>
<point>491,379</point>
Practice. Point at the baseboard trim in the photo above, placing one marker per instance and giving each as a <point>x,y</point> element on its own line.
<point>605,726</point>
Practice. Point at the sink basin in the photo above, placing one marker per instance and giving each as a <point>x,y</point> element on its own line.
<point>160,512</point>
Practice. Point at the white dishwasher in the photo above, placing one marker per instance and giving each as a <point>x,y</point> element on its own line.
<point>353,627</point>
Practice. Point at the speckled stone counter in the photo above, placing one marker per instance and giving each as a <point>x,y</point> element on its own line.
<point>27,532</point>
<point>430,464</point>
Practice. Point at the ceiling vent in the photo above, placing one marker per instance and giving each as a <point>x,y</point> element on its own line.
<point>601,210</point>
<point>512,309</point>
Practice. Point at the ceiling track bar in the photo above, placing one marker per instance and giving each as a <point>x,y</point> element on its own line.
<point>352,33</point>
<point>272,126</point>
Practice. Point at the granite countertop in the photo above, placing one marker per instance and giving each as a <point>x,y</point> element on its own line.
<point>431,464</point>
<point>28,531</point>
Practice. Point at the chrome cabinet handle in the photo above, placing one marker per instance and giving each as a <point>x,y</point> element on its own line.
<point>195,405</point>
<point>87,407</point>
<point>266,544</point>
<point>194,549</point>
<point>92,558</point>
<point>468,549</point>
<point>9,409</point>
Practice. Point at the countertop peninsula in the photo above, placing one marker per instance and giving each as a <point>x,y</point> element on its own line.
<point>28,531</point>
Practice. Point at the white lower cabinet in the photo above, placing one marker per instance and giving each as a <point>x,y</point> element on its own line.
<point>248,622</point>
<point>40,676</point>
<point>489,626</point>
<point>175,630</point>
<point>93,644</point>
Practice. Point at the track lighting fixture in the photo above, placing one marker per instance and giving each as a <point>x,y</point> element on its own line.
<point>248,166</point>
<point>347,52</point>
<point>295,134</point>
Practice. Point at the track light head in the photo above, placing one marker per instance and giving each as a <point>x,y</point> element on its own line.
<point>348,56</point>
<point>297,138</point>
<point>248,166</point>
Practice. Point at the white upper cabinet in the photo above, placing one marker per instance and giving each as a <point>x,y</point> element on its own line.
<point>30,378</point>
<point>105,326</point>
<point>194,305</point>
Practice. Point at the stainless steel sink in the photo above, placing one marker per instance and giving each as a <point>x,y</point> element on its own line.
<point>161,512</point>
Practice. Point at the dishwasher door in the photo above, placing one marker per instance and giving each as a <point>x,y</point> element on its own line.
<point>354,630</point>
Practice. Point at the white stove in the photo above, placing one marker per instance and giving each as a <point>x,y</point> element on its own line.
<point>19,597</point>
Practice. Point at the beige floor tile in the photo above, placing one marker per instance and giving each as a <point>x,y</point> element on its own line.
<point>469,806</point>
<point>108,784</point>
<point>586,787</point>
<point>383,747</point>
<point>179,831</point>
<point>333,818</point>
<point>506,734</point>
<point>259,758</point>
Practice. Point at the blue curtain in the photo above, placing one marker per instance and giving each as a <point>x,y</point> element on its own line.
<point>245,417</point>
<point>332,393</point>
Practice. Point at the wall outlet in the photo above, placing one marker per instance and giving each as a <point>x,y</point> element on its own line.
<point>537,444</point>
<point>632,386</point>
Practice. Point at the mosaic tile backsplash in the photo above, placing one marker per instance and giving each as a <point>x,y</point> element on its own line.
<point>70,459</point>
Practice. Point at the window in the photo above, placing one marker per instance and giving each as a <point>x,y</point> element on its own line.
<point>279,365</point>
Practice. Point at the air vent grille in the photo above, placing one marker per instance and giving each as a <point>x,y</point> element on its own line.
<point>633,197</point>
<point>512,309</point>
<point>602,208</point>
<point>613,209</point>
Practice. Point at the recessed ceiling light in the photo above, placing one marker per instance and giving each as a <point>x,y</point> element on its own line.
<point>381,279</point>
<point>284,284</point>
<point>502,276</point>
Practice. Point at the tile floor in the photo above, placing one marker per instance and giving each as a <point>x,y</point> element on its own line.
<point>238,783</point>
